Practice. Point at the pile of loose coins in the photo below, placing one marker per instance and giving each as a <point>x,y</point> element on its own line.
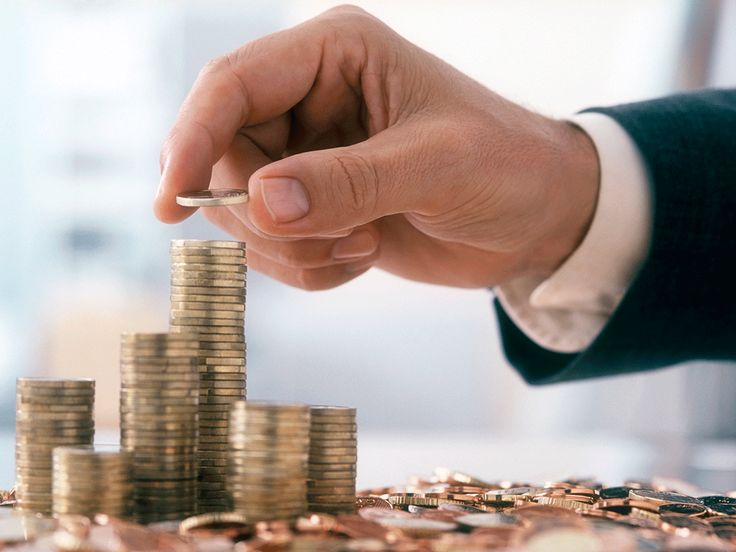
<point>50,412</point>
<point>208,283</point>
<point>333,453</point>
<point>269,446</point>
<point>159,400</point>
<point>88,480</point>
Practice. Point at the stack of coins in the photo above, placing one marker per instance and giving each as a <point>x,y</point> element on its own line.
<point>208,296</point>
<point>333,454</point>
<point>50,412</point>
<point>269,446</point>
<point>159,400</point>
<point>91,480</point>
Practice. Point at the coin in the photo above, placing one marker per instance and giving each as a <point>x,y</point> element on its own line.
<point>268,445</point>
<point>49,412</point>
<point>212,198</point>
<point>181,257</point>
<point>208,295</point>
<point>66,384</point>
<point>683,509</point>
<point>207,244</point>
<point>89,480</point>
<point>159,421</point>
<point>207,306</point>
<point>332,459</point>
<point>658,497</point>
<point>320,428</point>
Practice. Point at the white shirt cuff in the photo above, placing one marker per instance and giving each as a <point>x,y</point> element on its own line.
<point>567,311</point>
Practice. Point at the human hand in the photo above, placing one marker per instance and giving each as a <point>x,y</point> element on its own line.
<point>359,149</point>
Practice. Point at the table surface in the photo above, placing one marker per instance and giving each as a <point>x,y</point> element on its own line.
<point>386,458</point>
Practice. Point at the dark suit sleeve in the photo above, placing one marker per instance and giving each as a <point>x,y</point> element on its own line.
<point>681,305</point>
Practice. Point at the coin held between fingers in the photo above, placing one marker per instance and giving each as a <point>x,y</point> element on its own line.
<point>213,198</point>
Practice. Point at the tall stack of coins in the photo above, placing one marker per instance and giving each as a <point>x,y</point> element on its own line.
<point>91,480</point>
<point>333,454</point>
<point>269,446</point>
<point>208,296</point>
<point>159,401</point>
<point>50,412</point>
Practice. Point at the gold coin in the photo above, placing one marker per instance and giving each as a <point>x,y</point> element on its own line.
<point>54,383</point>
<point>333,458</point>
<point>141,366</point>
<point>36,424</point>
<point>157,337</point>
<point>207,379</point>
<point>190,270</point>
<point>228,294</point>
<point>172,384</point>
<point>211,314</point>
<point>207,244</point>
<point>60,402</point>
<point>226,387</point>
<point>320,451</point>
<point>236,347</point>
<point>211,370</point>
<point>319,428</point>
<point>317,485</point>
<point>150,407</point>
<point>221,391</point>
<point>24,416</point>
<point>208,307</point>
<point>230,273</point>
<point>329,475</point>
<point>319,438</point>
<point>339,411</point>
<point>233,334</point>
<point>329,444</point>
<point>209,322</point>
<point>206,258</point>
<point>207,281</point>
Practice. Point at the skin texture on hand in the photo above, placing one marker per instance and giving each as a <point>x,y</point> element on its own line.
<point>361,150</point>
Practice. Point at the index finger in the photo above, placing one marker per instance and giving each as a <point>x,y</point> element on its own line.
<point>251,85</point>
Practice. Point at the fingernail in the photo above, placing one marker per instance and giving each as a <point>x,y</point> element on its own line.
<point>358,244</point>
<point>285,198</point>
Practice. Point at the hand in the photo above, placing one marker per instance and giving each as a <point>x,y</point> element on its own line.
<point>359,149</point>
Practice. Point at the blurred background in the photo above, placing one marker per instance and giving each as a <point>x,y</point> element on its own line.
<point>87,94</point>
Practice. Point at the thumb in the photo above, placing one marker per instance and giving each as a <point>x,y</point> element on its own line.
<point>325,191</point>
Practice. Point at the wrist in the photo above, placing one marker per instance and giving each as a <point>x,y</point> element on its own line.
<point>571,198</point>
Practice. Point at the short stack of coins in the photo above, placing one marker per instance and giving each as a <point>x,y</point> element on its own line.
<point>333,454</point>
<point>50,412</point>
<point>91,480</point>
<point>208,280</point>
<point>269,447</point>
<point>159,405</point>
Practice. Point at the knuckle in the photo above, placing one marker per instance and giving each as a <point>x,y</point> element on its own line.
<point>318,279</point>
<point>355,183</point>
<point>309,280</point>
<point>347,10</point>
<point>350,20</point>
<point>214,65</point>
<point>293,255</point>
